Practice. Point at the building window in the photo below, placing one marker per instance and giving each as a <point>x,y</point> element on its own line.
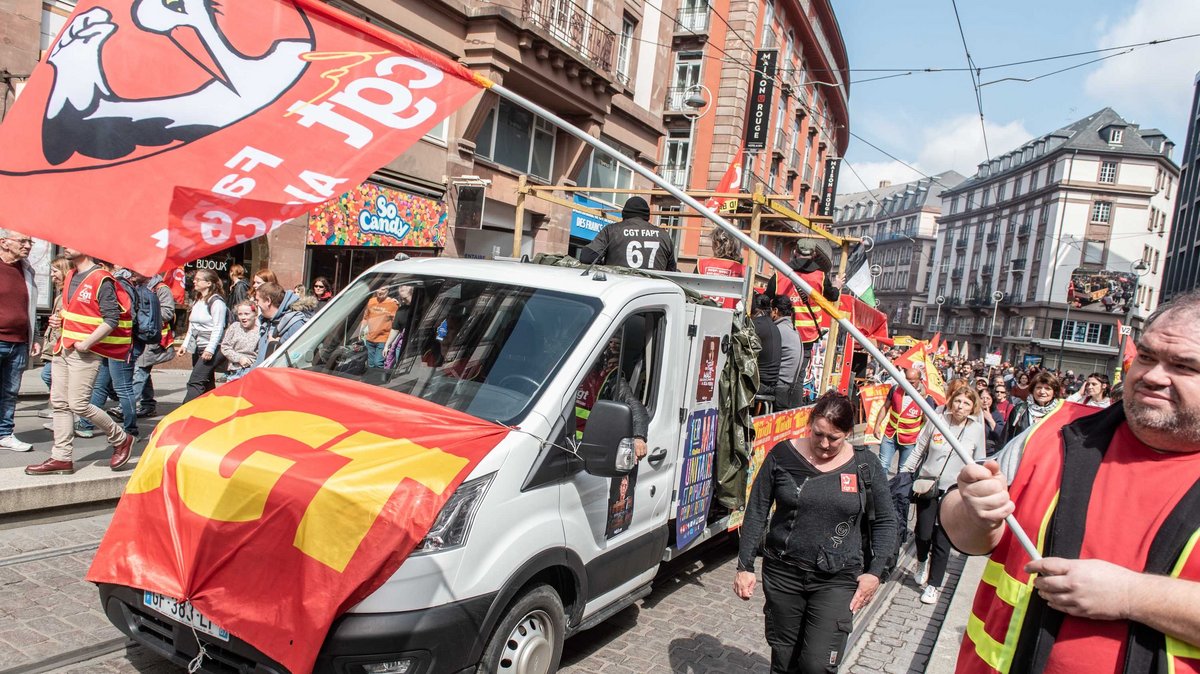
<point>917,314</point>
<point>1000,192</point>
<point>677,151</point>
<point>54,17</point>
<point>1093,252</point>
<point>1033,181</point>
<point>1082,332</point>
<point>1102,212</point>
<point>1115,135</point>
<point>625,51</point>
<point>602,171</point>
<point>516,138</point>
<point>1108,172</point>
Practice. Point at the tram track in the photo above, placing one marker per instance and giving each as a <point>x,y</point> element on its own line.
<point>72,657</point>
<point>49,553</point>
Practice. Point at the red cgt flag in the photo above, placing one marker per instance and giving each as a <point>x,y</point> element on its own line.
<point>154,134</point>
<point>273,510</point>
<point>730,182</point>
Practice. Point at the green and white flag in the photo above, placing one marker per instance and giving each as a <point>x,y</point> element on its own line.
<point>858,275</point>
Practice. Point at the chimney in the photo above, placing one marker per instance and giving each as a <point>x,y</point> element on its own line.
<point>884,183</point>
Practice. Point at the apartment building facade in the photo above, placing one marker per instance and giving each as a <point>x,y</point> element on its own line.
<point>901,222</point>
<point>1047,246</point>
<point>1182,263</point>
<point>804,115</point>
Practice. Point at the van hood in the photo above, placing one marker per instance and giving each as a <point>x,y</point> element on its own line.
<point>281,499</point>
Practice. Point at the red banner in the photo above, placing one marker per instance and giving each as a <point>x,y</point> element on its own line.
<point>273,509</point>
<point>730,182</point>
<point>155,134</point>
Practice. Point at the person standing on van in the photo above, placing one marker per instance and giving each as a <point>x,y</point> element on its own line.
<point>206,326</point>
<point>814,574</point>
<point>788,390</point>
<point>633,242</point>
<point>96,323</point>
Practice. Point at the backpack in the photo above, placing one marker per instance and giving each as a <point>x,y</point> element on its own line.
<point>146,311</point>
<point>866,499</point>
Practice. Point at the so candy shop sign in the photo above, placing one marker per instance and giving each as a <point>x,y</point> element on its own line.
<point>374,215</point>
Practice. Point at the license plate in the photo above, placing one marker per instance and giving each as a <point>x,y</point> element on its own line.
<point>183,612</point>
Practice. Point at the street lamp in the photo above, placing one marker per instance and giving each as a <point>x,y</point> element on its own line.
<point>996,297</point>
<point>1140,269</point>
<point>937,320</point>
<point>698,101</point>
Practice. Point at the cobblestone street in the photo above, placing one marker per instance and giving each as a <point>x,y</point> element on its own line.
<point>691,624</point>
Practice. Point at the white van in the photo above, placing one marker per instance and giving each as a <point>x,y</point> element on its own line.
<point>538,543</point>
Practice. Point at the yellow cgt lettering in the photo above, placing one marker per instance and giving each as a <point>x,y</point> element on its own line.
<point>345,509</point>
<point>242,496</point>
<point>149,472</point>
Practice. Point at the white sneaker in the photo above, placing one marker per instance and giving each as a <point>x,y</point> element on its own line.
<point>11,442</point>
<point>922,574</point>
<point>930,595</point>
<point>46,413</point>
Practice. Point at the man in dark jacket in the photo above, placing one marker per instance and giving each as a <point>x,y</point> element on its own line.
<point>278,318</point>
<point>772,349</point>
<point>633,242</point>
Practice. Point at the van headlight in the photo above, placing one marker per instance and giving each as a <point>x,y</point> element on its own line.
<point>453,523</point>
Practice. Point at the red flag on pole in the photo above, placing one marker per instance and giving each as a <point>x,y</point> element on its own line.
<point>141,147</point>
<point>730,182</point>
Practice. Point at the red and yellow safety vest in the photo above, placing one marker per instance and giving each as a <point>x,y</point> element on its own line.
<point>81,316</point>
<point>586,397</point>
<point>903,424</point>
<point>168,335</point>
<point>715,266</point>
<point>811,319</point>
<point>1007,629</point>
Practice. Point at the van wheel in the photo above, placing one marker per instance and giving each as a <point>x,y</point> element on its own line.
<point>529,639</point>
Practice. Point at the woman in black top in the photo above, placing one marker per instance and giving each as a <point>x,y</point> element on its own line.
<point>813,570</point>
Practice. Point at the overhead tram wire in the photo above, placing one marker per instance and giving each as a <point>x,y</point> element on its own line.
<point>1060,70</point>
<point>974,79</point>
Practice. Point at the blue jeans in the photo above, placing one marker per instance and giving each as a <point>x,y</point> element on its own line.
<point>46,374</point>
<point>375,354</point>
<point>887,449</point>
<point>115,378</point>
<point>13,357</point>
<point>143,387</point>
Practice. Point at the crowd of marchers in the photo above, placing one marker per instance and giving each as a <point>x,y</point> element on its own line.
<point>110,327</point>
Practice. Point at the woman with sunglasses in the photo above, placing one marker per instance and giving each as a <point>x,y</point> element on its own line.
<point>322,290</point>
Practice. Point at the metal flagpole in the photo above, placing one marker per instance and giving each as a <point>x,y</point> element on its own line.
<point>931,414</point>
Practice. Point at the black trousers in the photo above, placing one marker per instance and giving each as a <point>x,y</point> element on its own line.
<point>204,375</point>
<point>932,538</point>
<point>808,617</point>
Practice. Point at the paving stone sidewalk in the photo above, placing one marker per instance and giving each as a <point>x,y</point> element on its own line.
<point>901,638</point>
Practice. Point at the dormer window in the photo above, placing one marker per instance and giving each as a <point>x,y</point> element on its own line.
<point>1115,135</point>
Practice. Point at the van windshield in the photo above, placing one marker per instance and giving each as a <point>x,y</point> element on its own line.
<point>480,347</point>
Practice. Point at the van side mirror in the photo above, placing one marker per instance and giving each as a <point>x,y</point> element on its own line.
<point>607,447</point>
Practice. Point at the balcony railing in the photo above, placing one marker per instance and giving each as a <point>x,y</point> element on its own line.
<point>676,175</point>
<point>675,98</point>
<point>807,176</point>
<point>957,273</point>
<point>693,19</point>
<point>572,25</point>
<point>1018,264</point>
<point>1023,231</point>
<point>794,168</point>
<point>961,243</point>
<point>780,145</point>
<point>994,237</point>
<point>987,270</point>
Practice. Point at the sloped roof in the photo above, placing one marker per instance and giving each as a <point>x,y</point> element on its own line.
<point>929,190</point>
<point>1084,135</point>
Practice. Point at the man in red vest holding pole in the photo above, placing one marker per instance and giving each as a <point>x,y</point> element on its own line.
<point>1112,499</point>
<point>97,323</point>
<point>811,321</point>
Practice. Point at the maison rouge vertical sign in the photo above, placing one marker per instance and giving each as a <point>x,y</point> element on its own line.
<point>761,92</point>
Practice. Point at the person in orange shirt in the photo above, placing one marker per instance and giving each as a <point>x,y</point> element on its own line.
<point>377,323</point>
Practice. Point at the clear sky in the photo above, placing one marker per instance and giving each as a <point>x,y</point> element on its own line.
<point>930,120</point>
